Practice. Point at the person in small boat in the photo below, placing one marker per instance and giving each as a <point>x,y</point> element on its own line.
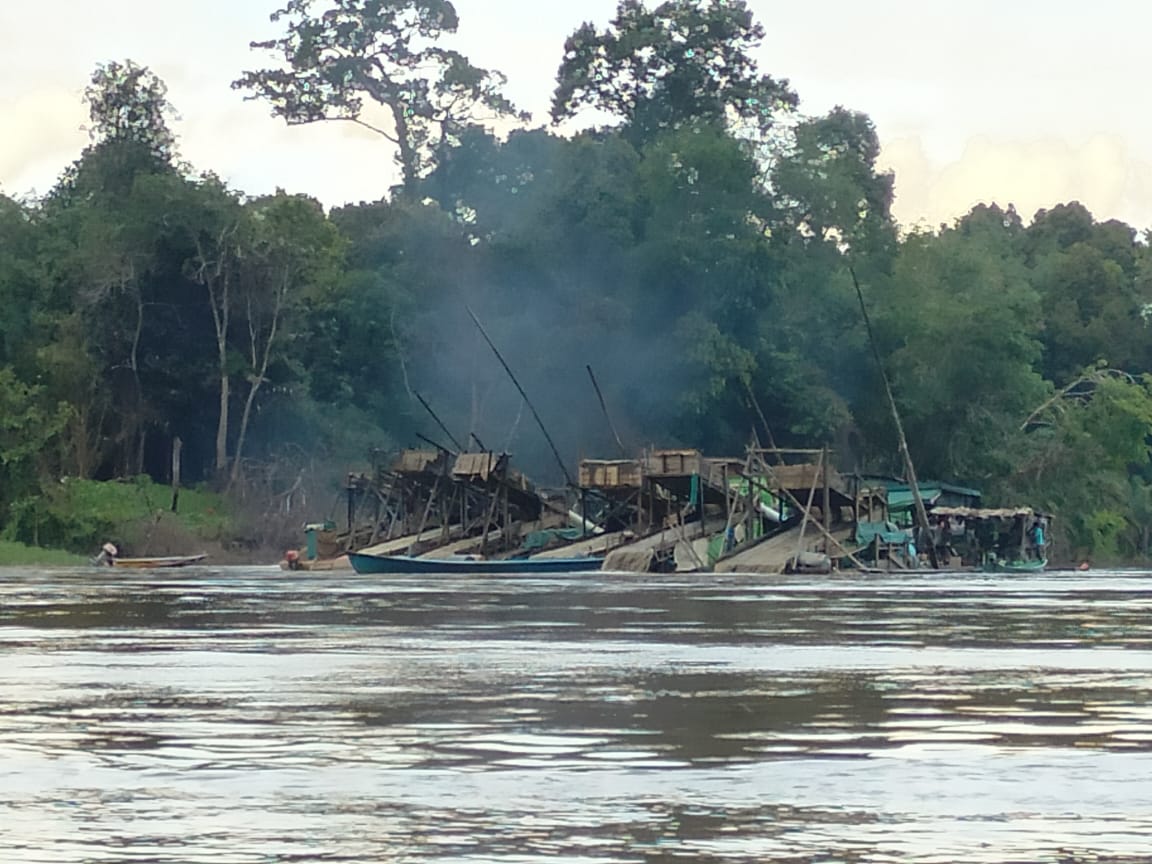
<point>107,556</point>
<point>1038,538</point>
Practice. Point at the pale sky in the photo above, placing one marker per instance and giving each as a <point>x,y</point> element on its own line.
<point>1014,101</point>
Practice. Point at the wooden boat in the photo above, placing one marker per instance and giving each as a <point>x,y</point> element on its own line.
<point>150,563</point>
<point>404,564</point>
<point>1032,565</point>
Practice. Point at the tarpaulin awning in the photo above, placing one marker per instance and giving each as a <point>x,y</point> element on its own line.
<point>866,532</point>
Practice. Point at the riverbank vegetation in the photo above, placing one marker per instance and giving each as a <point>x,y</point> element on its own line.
<point>698,243</point>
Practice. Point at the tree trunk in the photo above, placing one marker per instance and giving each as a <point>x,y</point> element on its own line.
<point>244,418</point>
<point>141,441</point>
<point>137,433</point>
<point>409,167</point>
<point>214,276</point>
<point>222,424</point>
<point>260,357</point>
<point>177,447</point>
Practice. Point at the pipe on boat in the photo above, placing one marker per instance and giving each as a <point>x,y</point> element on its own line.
<point>578,521</point>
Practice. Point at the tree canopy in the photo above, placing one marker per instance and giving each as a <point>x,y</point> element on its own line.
<point>683,62</point>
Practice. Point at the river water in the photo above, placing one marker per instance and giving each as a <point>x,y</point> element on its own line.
<point>244,715</point>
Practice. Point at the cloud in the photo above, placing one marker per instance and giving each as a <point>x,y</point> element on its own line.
<point>49,137</point>
<point>1101,172</point>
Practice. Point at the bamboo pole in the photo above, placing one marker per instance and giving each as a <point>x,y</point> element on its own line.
<point>439,423</point>
<point>440,447</point>
<point>523,395</point>
<point>764,422</point>
<point>604,408</point>
<point>808,510</point>
<point>827,503</point>
<point>921,513</point>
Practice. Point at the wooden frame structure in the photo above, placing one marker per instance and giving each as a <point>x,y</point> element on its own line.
<point>436,496</point>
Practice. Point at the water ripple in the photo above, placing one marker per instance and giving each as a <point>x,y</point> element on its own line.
<point>244,715</point>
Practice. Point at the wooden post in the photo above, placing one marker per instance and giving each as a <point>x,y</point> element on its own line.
<point>727,496</point>
<point>488,519</point>
<point>177,446</point>
<point>827,506</point>
<point>351,488</point>
<point>424,519</point>
<point>751,464</point>
<point>808,511</point>
<point>507,519</point>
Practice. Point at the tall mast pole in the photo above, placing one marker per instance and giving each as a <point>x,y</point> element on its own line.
<point>918,502</point>
<point>604,408</point>
<point>523,395</point>
<point>439,423</point>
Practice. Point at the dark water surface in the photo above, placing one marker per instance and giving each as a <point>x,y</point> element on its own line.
<point>239,715</point>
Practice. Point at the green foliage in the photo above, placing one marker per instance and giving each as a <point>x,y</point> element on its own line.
<point>14,554</point>
<point>829,188</point>
<point>680,64</point>
<point>129,103</point>
<point>959,324</point>
<point>1081,466</point>
<point>129,111</point>
<point>21,276</point>
<point>79,515</point>
<point>1087,274</point>
<point>30,431</point>
<point>1101,533</point>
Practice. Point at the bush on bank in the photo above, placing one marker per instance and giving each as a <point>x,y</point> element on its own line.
<point>77,516</point>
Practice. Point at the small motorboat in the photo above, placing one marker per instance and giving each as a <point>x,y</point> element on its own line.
<point>149,563</point>
<point>110,557</point>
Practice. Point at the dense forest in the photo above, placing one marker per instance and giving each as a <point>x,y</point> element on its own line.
<point>699,245</point>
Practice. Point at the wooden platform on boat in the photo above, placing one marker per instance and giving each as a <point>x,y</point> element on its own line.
<point>600,544</point>
<point>773,554</point>
<point>400,545</point>
<point>638,557</point>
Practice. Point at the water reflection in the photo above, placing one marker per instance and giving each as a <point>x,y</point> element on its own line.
<point>244,715</point>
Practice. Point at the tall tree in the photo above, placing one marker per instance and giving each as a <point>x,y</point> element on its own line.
<point>683,62</point>
<point>129,112</point>
<point>958,325</point>
<point>20,275</point>
<point>203,222</point>
<point>290,251</point>
<point>103,245</point>
<point>828,189</point>
<point>1095,299</point>
<point>387,51</point>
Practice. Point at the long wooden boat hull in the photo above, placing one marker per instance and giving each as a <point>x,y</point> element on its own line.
<point>150,563</point>
<point>400,564</point>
